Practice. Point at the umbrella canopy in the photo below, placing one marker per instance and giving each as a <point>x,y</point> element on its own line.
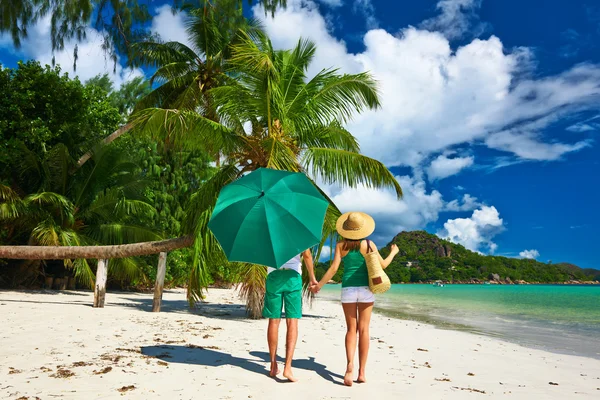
<point>268,216</point>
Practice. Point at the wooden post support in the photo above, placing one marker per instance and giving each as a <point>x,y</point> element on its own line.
<point>100,288</point>
<point>160,281</point>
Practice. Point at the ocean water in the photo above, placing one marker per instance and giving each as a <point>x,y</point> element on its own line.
<point>559,318</point>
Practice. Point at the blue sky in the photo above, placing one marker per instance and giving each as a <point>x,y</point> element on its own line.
<point>490,117</point>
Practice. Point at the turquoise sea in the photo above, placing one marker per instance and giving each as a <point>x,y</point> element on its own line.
<point>558,318</point>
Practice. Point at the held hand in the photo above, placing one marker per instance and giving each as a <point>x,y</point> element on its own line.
<point>394,249</point>
<point>313,282</point>
<point>314,288</point>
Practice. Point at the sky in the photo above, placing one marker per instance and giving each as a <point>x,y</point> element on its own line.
<point>490,114</point>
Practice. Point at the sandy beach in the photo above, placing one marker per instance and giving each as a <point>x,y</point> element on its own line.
<point>55,345</point>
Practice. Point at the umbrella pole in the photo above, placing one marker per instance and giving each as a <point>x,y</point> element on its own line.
<point>160,281</point>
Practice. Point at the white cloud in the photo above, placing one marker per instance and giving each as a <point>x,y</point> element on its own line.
<point>456,18</point>
<point>418,207</point>
<point>435,97</point>
<point>170,26</point>
<point>469,203</point>
<point>476,232</point>
<point>92,60</point>
<point>443,167</point>
<point>366,8</point>
<point>590,124</point>
<point>532,254</point>
<point>325,253</point>
<point>526,146</point>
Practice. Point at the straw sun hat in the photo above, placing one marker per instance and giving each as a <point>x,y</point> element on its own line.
<point>355,225</point>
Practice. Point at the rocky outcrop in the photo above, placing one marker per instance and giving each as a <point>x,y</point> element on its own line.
<point>494,277</point>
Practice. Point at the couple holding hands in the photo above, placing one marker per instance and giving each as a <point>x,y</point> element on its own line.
<point>284,290</point>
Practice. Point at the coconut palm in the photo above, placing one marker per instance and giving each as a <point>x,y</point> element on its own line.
<point>273,116</point>
<point>101,203</point>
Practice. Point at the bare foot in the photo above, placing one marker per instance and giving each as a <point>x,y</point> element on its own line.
<point>361,379</point>
<point>348,376</point>
<point>274,370</point>
<point>287,373</point>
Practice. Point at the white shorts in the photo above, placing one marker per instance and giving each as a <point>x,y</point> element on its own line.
<point>357,294</point>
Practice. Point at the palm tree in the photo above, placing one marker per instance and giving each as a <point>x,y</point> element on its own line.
<point>102,203</point>
<point>273,116</point>
<point>186,74</point>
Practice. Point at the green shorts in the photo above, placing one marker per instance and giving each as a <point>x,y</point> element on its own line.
<point>284,286</point>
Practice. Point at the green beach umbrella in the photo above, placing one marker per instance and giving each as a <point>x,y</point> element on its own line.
<point>268,216</point>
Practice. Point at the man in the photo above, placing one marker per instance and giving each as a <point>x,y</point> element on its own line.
<point>284,288</point>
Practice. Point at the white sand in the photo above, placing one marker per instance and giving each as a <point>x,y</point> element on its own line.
<point>43,333</point>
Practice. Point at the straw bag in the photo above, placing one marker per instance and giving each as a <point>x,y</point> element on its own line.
<point>378,280</point>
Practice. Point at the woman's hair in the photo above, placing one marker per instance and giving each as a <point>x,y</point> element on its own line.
<point>351,244</point>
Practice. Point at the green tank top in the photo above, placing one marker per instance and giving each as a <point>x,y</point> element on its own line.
<point>355,270</point>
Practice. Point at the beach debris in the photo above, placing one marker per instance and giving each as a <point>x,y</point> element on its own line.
<point>553,383</point>
<point>110,357</point>
<point>163,363</point>
<point>129,350</point>
<point>103,371</point>
<point>27,398</point>
<point>427,365</point>
<point>63,373</point>
<point>193,346</point>
<point>80,364</point>
<point>420,349</point>
<point>45,369</point>
<point>12,370</point>
<point>126,388</point>
<point>443,379</point>
<point>469,389</point>
<point>209,336</point>
<point>470,374</point>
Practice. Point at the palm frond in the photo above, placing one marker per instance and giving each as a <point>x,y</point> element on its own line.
<point>348,168</point>
<point>205,198</point>
<point>83,272</point>
<point>332,136</point>
<point>252,287</point>
<point>120,233</point>
<point>54,203</point>
<point>339,97</point>
<point>46,233</point>
<point>179,73</point>
<point>10,203</point>
<point>156,54</point>
<point>186,129</point>
<point>207,252</point>
<point>127,270</point>
<point>280,155</point>
<point>59,162</point>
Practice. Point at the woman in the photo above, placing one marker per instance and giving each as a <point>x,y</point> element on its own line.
<point>357,299</point>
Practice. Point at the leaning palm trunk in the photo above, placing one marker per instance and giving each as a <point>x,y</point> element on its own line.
<point>119,132</point>
<point>97,252</point>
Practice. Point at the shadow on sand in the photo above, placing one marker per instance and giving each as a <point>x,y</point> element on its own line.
<point>213,358</point>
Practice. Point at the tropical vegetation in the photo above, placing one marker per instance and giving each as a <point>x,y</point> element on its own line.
<point>228,98</point>
<point>425,257</point>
